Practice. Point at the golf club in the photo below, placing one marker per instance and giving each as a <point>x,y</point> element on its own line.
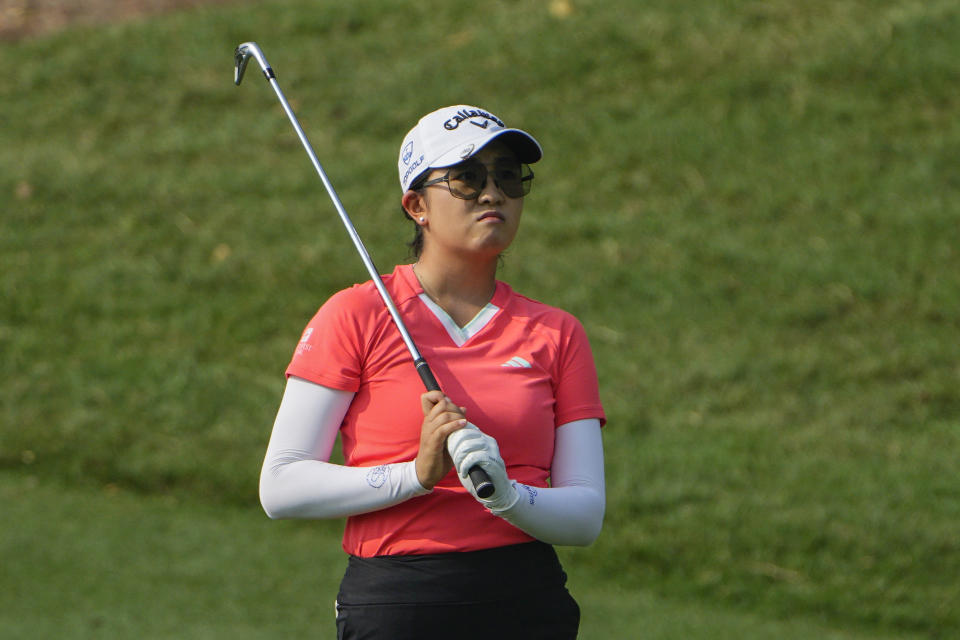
<point>481,481</point>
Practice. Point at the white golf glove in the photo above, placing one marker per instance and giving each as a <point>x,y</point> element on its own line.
<point>470,447</point>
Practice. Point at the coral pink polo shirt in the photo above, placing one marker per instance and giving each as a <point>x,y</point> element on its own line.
<point>521,368</point>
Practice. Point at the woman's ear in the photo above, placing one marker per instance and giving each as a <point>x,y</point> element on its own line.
<point>414,204</point>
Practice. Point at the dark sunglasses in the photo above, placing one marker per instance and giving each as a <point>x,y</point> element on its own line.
<point>467,179</point>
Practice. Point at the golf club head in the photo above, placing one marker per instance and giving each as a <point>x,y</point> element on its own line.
<point>242,56</point>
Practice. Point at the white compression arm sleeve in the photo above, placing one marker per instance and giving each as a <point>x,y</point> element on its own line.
<point>570,511</point>
<point>297,481</point>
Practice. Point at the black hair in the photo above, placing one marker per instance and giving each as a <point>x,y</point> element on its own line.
<point>416,245</point>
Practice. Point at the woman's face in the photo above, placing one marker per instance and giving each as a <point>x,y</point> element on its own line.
<point>484,225</point>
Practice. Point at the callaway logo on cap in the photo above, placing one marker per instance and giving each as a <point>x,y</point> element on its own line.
<point>453,134</point>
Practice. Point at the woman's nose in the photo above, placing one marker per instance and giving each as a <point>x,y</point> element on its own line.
<point>491,191</point>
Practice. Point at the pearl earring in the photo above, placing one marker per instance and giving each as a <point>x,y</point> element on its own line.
<point>422,219</point>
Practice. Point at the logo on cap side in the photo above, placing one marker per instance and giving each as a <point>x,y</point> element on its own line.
<point>412,168</point>
<point>407,153</point>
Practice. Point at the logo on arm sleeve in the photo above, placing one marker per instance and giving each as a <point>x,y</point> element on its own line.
<point>377,476</point>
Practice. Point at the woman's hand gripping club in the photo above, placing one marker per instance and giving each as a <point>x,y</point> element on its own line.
<point>441,418</point>
<point>447,440</point>
<point>469,447</point>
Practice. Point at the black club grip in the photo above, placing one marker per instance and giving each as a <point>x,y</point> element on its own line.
<point>481,481</point>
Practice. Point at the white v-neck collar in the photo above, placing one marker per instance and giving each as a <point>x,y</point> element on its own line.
<point>458,334</point>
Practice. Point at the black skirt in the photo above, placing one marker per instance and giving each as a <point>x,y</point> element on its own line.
<point>517,591</point>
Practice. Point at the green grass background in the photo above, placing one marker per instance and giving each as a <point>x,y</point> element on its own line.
<point>752,206</point>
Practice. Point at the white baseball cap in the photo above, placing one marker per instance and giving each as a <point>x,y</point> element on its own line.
<point>452,134</point>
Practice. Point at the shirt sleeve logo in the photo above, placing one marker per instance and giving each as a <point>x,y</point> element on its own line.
<point>304,344</point>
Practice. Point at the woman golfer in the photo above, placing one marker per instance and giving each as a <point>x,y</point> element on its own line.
<point>428,558</point>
